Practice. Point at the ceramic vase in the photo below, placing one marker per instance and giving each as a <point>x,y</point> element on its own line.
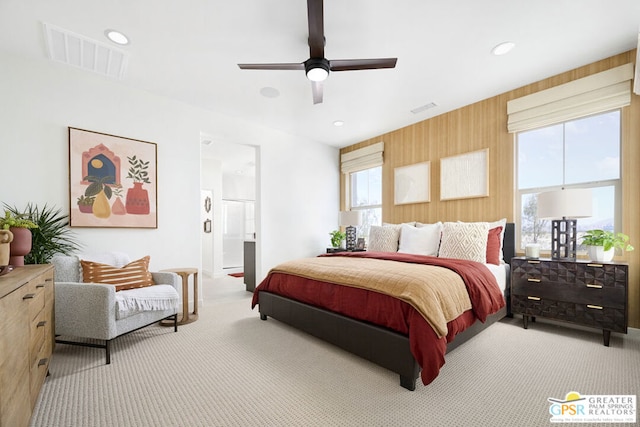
<point>20,246</point>
<point>597,253</point>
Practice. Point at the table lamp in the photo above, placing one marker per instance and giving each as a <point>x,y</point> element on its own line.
<point>350,219</point>
<point>568,205</point>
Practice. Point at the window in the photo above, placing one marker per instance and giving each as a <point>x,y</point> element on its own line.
<point>366,196</point>
<point>580,153</point>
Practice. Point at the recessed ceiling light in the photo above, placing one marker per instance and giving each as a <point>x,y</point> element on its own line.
<point>503,48</point>
<point>338,123</point>
<point>117,37</point>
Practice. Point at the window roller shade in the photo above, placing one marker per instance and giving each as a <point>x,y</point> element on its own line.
<point>367,157</point>
<point>593,94</point>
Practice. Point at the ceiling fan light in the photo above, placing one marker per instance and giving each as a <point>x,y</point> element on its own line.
<point>317,70</point>
<point>317,74</point>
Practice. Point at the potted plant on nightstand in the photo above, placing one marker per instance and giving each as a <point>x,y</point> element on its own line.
<point>337,237</point>
<point>601,245</point>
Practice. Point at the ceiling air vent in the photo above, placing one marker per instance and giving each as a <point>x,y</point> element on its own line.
<point>424,107</point>
<point>82,52</point>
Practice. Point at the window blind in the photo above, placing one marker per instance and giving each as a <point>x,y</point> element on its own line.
<point>367,157</point>
<point>593,94</point>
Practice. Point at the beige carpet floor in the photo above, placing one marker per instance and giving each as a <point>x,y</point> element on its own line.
<point>229,368</point>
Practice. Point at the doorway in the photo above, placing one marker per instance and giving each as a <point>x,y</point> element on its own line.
<point>228,173</point>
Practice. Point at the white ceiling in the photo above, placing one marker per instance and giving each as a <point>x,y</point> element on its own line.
<point>188,50</point>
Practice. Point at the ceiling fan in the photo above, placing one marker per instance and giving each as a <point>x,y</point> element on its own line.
<point>317,67</point>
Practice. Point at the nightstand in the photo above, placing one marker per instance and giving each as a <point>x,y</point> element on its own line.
<point>334,250</point>
<point>585,293</point>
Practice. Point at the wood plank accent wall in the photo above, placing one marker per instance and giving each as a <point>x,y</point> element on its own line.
<point>484,125</point>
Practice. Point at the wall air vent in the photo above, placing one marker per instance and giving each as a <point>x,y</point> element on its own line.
<point>424,107</point>
<point>82,52</point>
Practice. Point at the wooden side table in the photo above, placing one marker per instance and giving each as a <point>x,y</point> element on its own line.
<point>184,273</point>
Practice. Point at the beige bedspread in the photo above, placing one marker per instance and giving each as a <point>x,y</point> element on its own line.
<point>437,293</point>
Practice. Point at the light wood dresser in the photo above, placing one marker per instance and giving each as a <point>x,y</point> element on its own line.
<point>26,340</point>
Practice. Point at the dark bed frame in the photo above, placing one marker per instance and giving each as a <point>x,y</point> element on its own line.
<point>377,344</point>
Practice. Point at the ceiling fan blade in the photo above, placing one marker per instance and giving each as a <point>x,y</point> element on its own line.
<point>282,66</point>
<point>316,88</point>
<point>361,64</point>
<point>316,28</point>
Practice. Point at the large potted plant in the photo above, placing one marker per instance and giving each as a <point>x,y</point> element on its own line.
<point>20,226</point>
<point>51,234</point>
<point>601,245</point>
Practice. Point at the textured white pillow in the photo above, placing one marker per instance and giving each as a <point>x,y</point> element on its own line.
<point>423,240</point>
<point>383,239</point>
<point>464,240</point>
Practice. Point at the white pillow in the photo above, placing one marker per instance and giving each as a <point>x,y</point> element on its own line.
<point>383,239</point>
<point>388,224</point>
<point>423,240</point>
<point>464,240</point>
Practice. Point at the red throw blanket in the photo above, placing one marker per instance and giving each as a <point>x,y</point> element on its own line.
<point>383,310</point>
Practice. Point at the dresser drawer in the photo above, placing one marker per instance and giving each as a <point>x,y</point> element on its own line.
<point>594,315</point>
<point>607,275</point>
<point>38,336</point>
<point>571,292</point>
<point>37,375</point>
<point>36,296</point>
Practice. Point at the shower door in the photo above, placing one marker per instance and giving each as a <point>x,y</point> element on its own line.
<point>238,225</point>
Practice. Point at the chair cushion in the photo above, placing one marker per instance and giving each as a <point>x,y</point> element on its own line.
<point>133,275</point>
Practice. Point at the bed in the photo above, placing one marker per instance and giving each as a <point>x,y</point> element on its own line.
<point>324,297</point>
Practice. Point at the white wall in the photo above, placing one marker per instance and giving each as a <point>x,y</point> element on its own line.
<point>298,184</point>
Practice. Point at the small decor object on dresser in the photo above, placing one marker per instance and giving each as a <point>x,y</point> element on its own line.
<point>601,245</point>
<point>580,292</point>
<point>20,227</point>
<point>5,238</point>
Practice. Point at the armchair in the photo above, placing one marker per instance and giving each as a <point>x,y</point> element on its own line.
<point>97,312</point>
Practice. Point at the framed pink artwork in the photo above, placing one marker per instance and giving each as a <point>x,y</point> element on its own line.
<point>112,181</point>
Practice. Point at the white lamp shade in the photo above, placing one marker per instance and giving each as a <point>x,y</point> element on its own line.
<point>348,218</point>
<point>572,203</point>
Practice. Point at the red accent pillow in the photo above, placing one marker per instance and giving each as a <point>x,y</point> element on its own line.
<point>493,246</point>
